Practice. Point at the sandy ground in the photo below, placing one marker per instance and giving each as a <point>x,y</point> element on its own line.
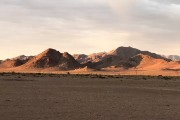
<point>106,71</point>
<point>86,97</point>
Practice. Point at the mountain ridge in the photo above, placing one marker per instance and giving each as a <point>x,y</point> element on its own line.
<point>52,58</point>
<point>172,57</point>
<point>122,57</point>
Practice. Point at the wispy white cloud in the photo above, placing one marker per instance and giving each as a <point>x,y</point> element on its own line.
<point>89,26</point>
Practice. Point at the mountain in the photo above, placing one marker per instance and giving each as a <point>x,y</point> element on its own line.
<point>120,57</point>
<point>23,58</point>
<point>128,52</point>
<point>173,57</point>
<point>95,57</point>
<point>146,62</point>
<point>81,58</point>
<point>124,52</point>
<point>14,62</point>
<point>52,58</point>
<point>11,63</point>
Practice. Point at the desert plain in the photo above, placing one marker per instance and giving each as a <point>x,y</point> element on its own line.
<point>40,96</point>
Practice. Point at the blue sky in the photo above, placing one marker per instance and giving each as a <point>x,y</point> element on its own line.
<point>87,26</point>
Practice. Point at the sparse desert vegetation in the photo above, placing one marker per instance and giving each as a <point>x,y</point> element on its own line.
<point>28,96</point>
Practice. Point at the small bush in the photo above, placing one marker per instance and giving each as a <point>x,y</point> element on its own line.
<point>144,78</point>
<point>13,72</point>
<point>101,76</point>
<point>23,74</point>
<point>39,73</point>
<point>2,74</point>
<point>166,78</point>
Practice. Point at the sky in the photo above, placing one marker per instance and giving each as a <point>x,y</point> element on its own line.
<point>88,26</point>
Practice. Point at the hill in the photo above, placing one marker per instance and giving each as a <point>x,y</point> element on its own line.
<point>14,62</point>
<point>173,57</point>
<point>120,57</point>
<point>52,58</point>
<point>145,62</point>
<point>11,63</point>
<point>95,57</point>
<point>128,52</point>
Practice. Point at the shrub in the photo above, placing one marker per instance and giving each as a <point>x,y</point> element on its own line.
<point>166,78</point>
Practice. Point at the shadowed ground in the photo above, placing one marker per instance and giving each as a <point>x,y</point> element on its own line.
<point>76,97</point>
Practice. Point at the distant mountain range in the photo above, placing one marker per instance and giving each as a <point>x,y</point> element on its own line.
<point>172,57</point>
<point>122,57</point>
<point>22,57</point>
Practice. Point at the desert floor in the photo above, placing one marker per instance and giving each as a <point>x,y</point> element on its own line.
<point>88,97</point>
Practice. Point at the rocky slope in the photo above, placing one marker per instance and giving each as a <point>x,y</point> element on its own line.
<point>11,63</point>
<point>95,57</point>
<point>120,57</point>
<point>14,62</point>
<point>52,58</point>
<point>173,57</point>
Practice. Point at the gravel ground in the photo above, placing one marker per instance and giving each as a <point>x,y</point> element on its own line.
<point>71,97</point>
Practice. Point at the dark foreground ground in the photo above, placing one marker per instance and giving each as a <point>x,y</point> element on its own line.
<point>87,97</point>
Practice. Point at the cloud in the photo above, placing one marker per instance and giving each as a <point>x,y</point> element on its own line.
<point>92,25</point>
<point>150,21</point>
